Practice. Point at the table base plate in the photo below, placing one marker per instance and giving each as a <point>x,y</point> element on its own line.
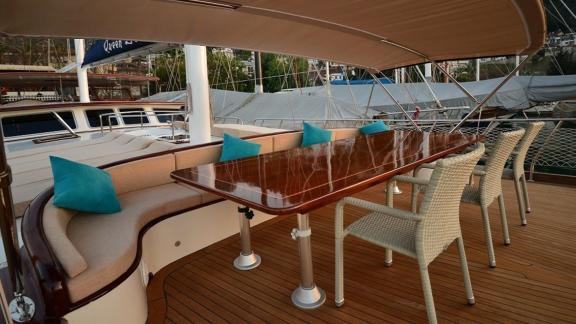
<point>308,298</point>
<point>247,262</point>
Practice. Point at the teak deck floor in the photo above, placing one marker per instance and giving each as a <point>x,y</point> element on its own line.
<point>535,278</point>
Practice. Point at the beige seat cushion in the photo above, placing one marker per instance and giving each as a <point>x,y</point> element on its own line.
<point>242,130</point>
<point>283,142</point>
<point>55,223</point>
<point>108,242</point>
<point>198,156</point>
<point>267,144</point>
<point>342,133</point>
<point>142,174</point>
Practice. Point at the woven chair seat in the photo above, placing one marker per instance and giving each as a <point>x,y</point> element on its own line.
<point>471,194</point>
<point>375,228</point>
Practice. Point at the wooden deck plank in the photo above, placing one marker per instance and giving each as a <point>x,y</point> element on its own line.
<point>535,280</point>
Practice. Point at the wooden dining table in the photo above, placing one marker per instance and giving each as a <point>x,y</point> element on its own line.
<point>300,180</point>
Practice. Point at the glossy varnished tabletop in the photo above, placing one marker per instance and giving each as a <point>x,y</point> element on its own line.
<point>302,179</point>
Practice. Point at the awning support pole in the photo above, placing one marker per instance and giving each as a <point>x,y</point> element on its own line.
<point>396,102</point>
<point>460,86</point>
<point>438,103</point>
<point>491,94</point>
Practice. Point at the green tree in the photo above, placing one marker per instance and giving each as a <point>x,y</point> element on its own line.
<point>283,72</point>
<point>224,72</point>
<point>566,60</point>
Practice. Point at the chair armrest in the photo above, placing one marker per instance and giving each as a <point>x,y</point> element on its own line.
<point>398,213</point>
<point>427,165</point>
<point>479,170</point>
<point>412,180</point>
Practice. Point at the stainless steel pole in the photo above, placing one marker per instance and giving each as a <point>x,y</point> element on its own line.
<point>307,295</point>
<point>460,86</point>
<point>396,102</point>
<point>491,94</point>
<point>247,260</point>
<point>438,103</point>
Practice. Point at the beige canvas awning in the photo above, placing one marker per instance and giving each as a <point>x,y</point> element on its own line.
<point>362,33</point>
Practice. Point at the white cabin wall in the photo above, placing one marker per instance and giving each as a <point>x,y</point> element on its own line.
<point>194,230</point>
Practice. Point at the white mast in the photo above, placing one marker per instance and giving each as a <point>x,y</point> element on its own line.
<point>428,71</point>
<point>477,69</point>
<point>516,65</point>
<point>81,72</point>
<point>198,93</point>
<point>259,87</point>
<point>327,113</point>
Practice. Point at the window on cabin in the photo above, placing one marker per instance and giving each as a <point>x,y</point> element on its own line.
<point>137,116</point>
<point>163,115</point>
<point>94,117</point>
<point>36,123</point>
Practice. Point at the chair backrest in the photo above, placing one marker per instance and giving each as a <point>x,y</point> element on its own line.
<point>491,183</point>
<point>441,205</point>
<point>531,132</point>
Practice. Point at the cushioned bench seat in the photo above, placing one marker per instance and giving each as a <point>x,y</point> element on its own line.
<point>95,249</point>
<point>108,243</point>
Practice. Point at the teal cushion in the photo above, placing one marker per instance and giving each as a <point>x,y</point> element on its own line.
<point>83,188</point>
<point>234,148</point>
<point>377,127</point>
<point>315,135</point>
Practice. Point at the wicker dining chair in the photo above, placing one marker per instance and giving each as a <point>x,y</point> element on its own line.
<point>489,187</point>
<point>518,168</point>
<point>423,235</point>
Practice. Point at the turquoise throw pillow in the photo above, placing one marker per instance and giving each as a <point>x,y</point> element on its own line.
<point>377,127</point>
<point>83,188</point>
<point>234,148</point>
<point>315,135</point>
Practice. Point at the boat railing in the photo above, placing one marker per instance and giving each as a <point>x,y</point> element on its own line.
<point>172,114</point>
<point>553,151</point>
<point>225,120</point>
<point>174,121</point>
<point>139,114</point>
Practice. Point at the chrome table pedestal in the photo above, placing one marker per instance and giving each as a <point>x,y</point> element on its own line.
<point>307,295</point>
<point>247,260</point>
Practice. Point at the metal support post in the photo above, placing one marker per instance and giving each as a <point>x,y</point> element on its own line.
<point>491,94</point>
<point>307,295</point>
<point>396,102</point>
<point>247,260</point>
